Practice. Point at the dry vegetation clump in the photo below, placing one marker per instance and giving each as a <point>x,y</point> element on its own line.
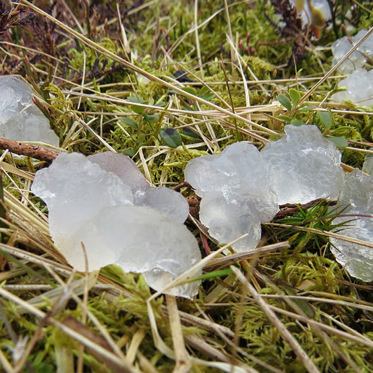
<point>108,74</point>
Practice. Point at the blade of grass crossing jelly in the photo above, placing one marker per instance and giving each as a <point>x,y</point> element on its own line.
<point>2,205</point>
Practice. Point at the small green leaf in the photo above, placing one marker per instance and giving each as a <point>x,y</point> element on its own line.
<point>297,122</point>
<point>137,100</point>
<point>326,118</point>
<point>203,91</point>
<point>302,304</point>
<point>284,101</point>
<point>306,108</point>
<point>129,152</point>
<point>214,274</point>
<point>171,137</point>
<point>189,108</point>
<point>129,121</point>
<point>341,142</point>
<point>140,139</point>
<point>151,117</point>
<point>160,104</point>
<point>294,96</point>
<point>188,132</point>
<point>190,90</point>
<point>206,94</point>
<point>2,205</point>
<point>137,109</point>
<point>285,118</point>
<point>209,96</point>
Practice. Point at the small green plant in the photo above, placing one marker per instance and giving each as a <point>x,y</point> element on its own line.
<point>86,70</point>
<point>298,115</point>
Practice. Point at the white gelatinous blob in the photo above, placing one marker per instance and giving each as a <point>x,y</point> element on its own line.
<point>227,220</point>
<point>359,88</point>
<point>76,189</point>
<point>122,166</point>
<point>339,48</point>
<point>163,199</point>
<point>20,118</point>
<point>92,206</point>
<point>367,47</point>
<point>357,192</point>
<point>239,173</point>
<point>358,59</point>
<point>368,165</point>
<point>357,201</point>
<point>139,239</point>
<point>357,259</point>
<point>238,193</point>
<point>168,201</point>
<point>305,164</point>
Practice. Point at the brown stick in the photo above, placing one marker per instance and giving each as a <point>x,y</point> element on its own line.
<point>33,151</point>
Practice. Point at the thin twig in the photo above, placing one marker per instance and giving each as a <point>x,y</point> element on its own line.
<point>33,151</point>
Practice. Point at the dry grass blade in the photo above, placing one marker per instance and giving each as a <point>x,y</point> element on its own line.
<point>135,344</point>
<point>5,364</point>
<point>315,299</point>
<point>181,355</point>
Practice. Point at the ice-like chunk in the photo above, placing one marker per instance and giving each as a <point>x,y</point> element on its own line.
<point>139,239</point>
<point>357,259</point>
<point>239,173</point>
<point>20,118</point>
<point>73,178</point>
<point>168,201</point>
<point>358,59</point>
<point>305,164</point>
<point>357,192</point>
<point>163,199</point>
<point>368,165</point>
<point>359,88</point>
<point>238,193</point>
<point>90,205</point>
<point>229,219</point>
<point>122,166</point>
<point>357,201</point>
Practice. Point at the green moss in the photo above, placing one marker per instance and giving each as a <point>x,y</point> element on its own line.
<point>163,40</point>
